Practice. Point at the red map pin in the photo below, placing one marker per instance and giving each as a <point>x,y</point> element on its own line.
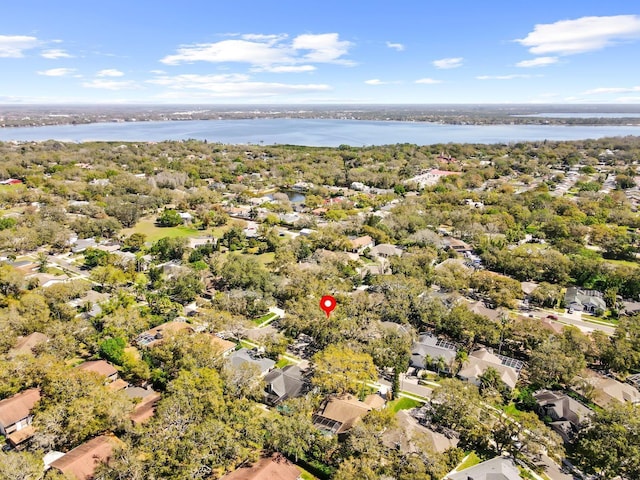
<point>327,303</point>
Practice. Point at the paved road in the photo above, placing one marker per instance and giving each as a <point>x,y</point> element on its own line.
<point>574,319</point>
<point>552,470</point>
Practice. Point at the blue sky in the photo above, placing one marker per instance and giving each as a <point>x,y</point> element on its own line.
<point>309,51</point>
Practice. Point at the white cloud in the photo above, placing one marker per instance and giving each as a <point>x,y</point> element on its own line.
<point>606,90</point>
<point>537,62</point>
<point>109,72</point>
<point>285,69</point>
<point>504,77</point>
<point>57,72</point>
<point>55,53</point>
<point>585,34</point>
<point>253,52</point>
<point>266,51</point>
<point>13,46</point>
<point>228,85</point>
<point>377,81</point>
<point>445,63</point>
<point>428,81</point>
<point>157,72</point>
<point>111,85</point>
<point>396,46</point>
<point>323,48</point>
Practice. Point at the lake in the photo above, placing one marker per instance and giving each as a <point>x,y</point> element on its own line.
<point>327,133</point>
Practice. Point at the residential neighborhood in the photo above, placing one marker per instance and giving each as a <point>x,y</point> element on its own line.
<point>165,315</point>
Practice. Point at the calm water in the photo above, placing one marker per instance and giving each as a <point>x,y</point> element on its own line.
<point>329,133</point>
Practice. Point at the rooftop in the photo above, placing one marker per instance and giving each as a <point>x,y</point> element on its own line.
<point>17,407</point>
<point>81,462</point>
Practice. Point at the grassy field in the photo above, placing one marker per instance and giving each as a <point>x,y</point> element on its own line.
<point>283,362</point>
<point>153,232</point>
<point>469,461</point>
<point>403,403</point>
<point>269,316</point>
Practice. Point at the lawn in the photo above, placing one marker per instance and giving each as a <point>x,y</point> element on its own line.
<point>153,232</point>
<point>512,410</point>
<point>283,362</point>
<point>403,403</point>
<point>469,461</point>
<point>265,318</point>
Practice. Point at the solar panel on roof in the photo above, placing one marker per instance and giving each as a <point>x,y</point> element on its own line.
<point>511,362</point>
<point>444,344</point>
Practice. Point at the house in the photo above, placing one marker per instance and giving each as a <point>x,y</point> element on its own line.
<point>157,334</point>
<point>605,391</point>
<point>283,384</point>
<point>106,370</point>
<point>339,414</point>
<point>580,300</point>
<point>428,351</point>
<point>243,356</point>
<point>82,244</point>
<point>145,408</point>
<point>45,280</point>
<point>498,468</point>
<point>82,461</point>
<point>26,345</point>
<point>101,367</point>
<point>478,361</point>
<point>386,250</point>
<point>408,436</point>
<point>186,217</point>
<point>274,467</point>
<point>630,307</point>
<point>225,347</point>
<point>568,416</point>
<point>430,177</point>
<point>15,416</point>
<point>25,266</point>
<point>457,245</point>
<point>360,244</point>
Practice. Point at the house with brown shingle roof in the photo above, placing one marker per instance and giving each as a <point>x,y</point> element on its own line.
<point>339,414</point>
<point>101,367</point>
<point>157,334</point>
<point>146,407</point>
<point>360,244</point>
<point>26,345</point>
<point>15,416</point>
<point>82,461</point>
<point>275,467</point>
<point>105,369</point>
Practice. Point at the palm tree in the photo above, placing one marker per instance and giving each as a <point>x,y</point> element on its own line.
<point>460,360</point>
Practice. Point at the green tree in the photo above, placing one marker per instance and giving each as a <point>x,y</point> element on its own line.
<point>20,466</point>
<point>112,349</point>
<point>169,218</point>
<point>611,446</point>
<point>339,369</point>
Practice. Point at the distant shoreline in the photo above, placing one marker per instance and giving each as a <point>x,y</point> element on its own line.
<point>12,116</point>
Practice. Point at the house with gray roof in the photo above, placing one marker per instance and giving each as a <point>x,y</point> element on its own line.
<point>245,356</point>
<point>283,384</point>
<point>568,416</point>
<point>428,351</point>
<point>479,361</point>
<point>498,468</point>
<point>580,300</point>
